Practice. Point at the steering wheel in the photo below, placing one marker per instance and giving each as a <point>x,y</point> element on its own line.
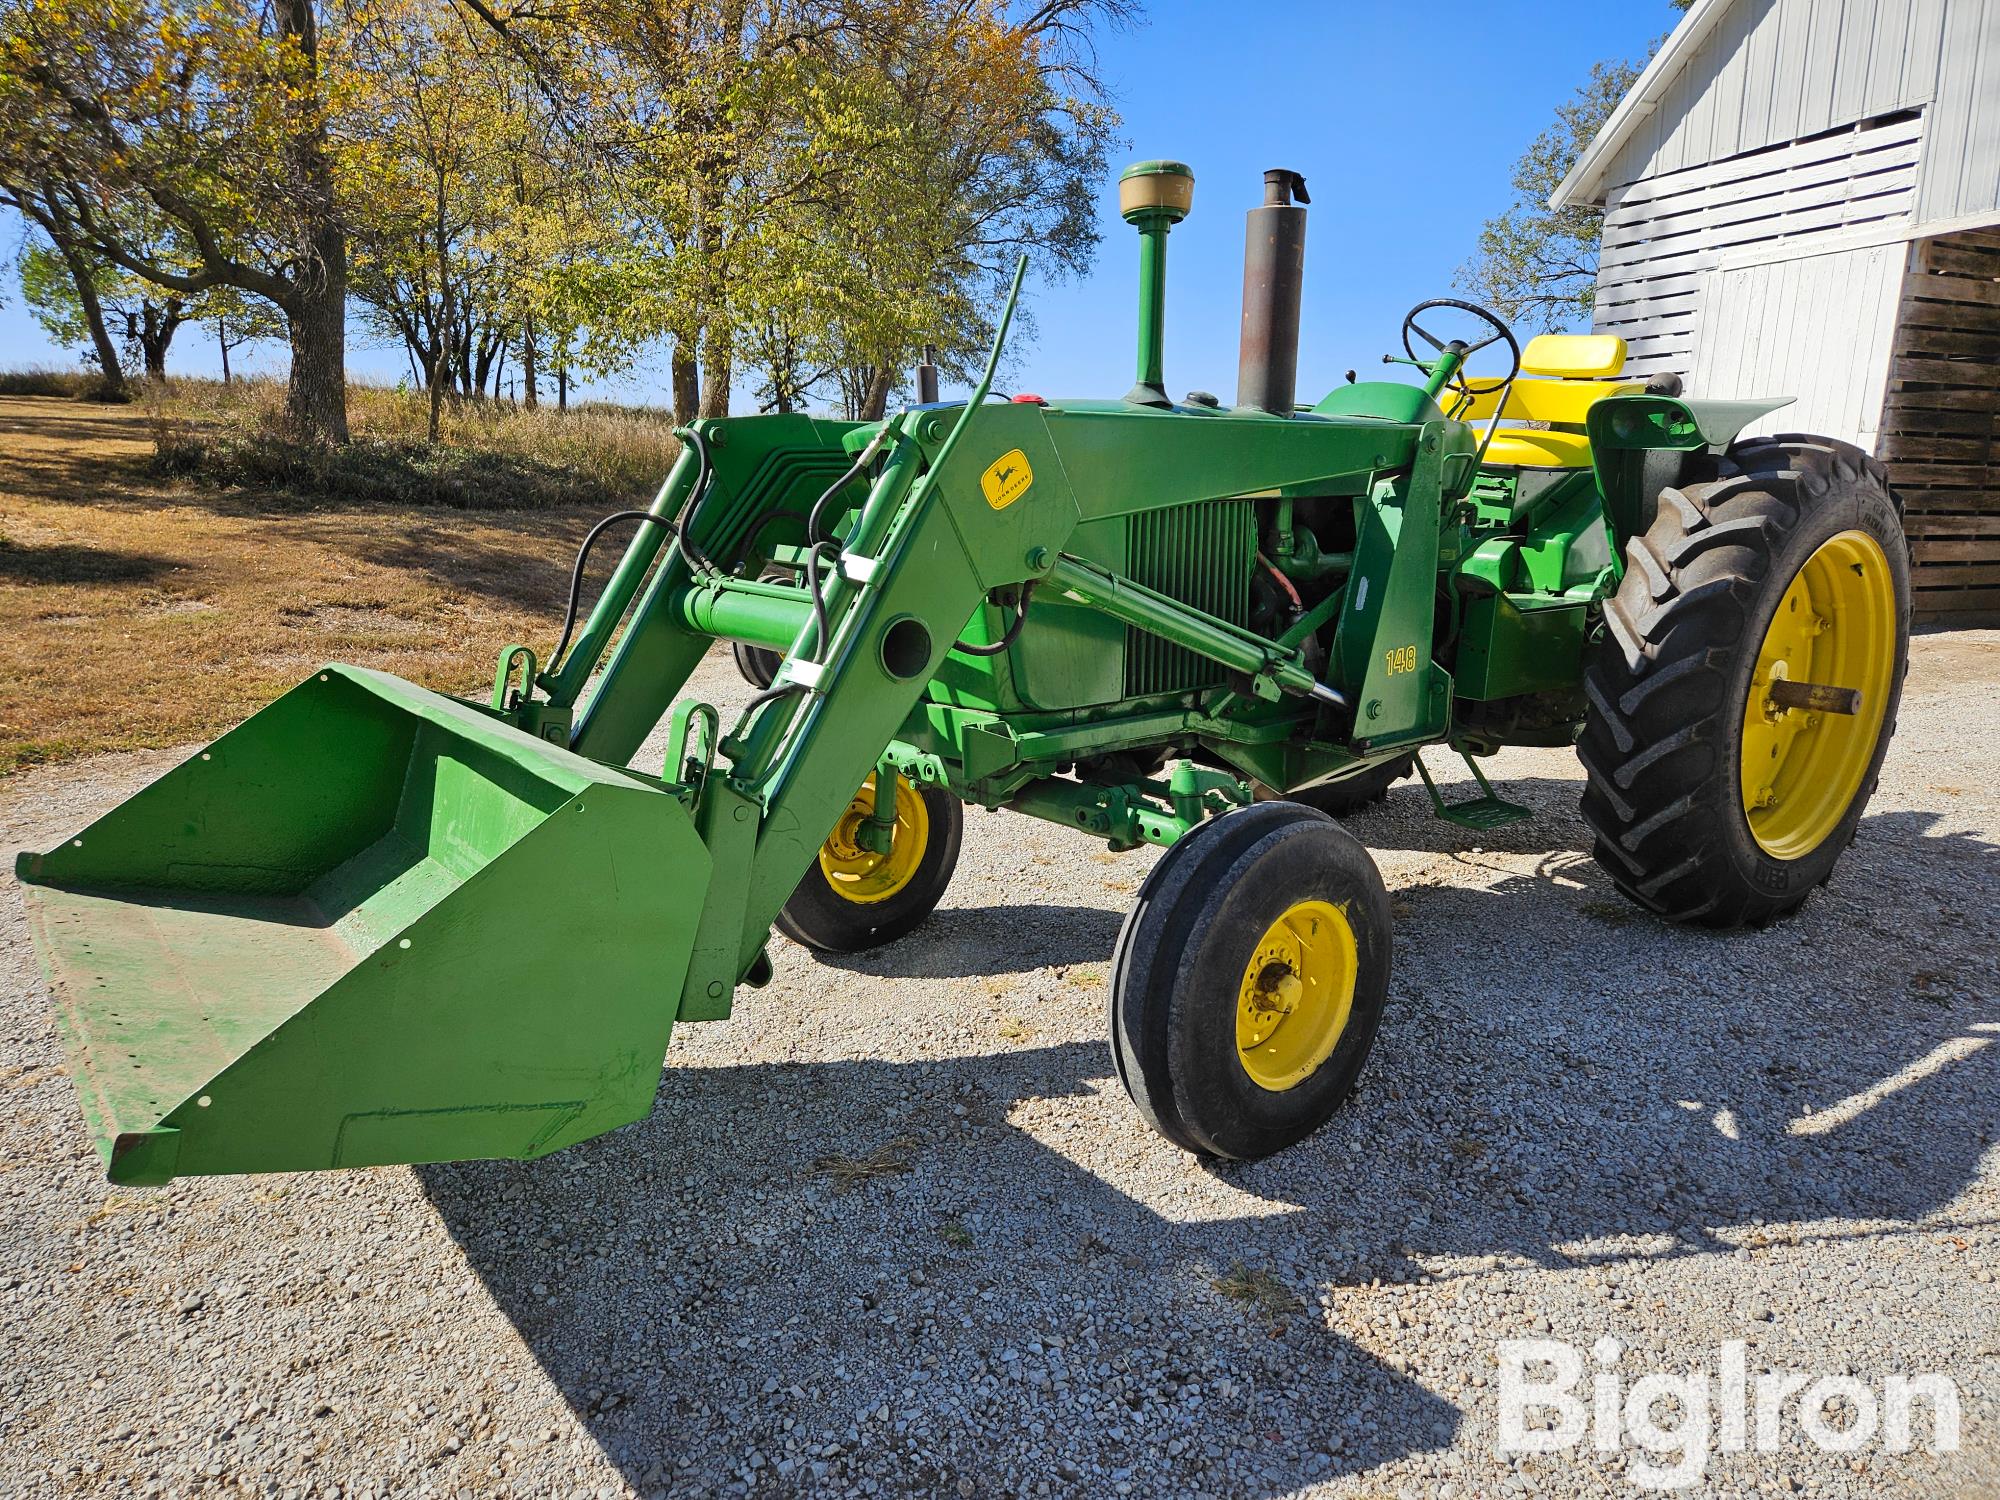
<point>1462,384</point>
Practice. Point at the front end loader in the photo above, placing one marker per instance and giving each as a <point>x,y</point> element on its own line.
<point>379,924</point>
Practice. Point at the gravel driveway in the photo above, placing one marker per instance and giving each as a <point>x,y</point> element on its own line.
<point>893,1229</point>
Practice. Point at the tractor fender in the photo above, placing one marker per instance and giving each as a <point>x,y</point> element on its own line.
<point>1629,436</point>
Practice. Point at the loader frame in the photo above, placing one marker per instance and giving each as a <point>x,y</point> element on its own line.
<point>927,549</point>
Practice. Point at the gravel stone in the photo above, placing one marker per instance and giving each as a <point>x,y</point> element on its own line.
<point>1578,1122</point>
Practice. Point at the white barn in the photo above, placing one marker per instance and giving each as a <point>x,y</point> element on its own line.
<point>1803,197</point>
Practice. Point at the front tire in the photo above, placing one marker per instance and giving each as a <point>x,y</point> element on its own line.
<point>1712,803</point>
<point>1248,981</point>
<point>758,665</point>
<point>851,898</point>
<point>1350,794</point>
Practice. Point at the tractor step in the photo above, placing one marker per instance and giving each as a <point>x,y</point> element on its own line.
<point>1489,810</point>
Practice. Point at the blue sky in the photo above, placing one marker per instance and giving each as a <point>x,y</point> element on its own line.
<point>1404,117</point>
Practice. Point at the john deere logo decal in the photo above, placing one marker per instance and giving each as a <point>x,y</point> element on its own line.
<point>1006,479</point>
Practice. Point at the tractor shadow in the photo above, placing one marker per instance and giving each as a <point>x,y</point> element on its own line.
<point>1620,1088</point>
<point>967,941</point>
<point>761,1294</point>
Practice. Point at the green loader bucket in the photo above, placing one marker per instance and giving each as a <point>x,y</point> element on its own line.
<point>369,925</point>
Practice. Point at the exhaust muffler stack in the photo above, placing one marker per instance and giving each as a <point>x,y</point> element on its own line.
<point>1274,262</point>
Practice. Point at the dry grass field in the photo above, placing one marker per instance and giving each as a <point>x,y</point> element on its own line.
<point>137,610</point>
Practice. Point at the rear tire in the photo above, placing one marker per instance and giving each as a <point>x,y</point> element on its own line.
<point>848,903</point>
<point>1267,918</point>
<point>1701,813</point>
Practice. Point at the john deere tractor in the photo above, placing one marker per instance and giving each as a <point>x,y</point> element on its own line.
<point>377,924</point>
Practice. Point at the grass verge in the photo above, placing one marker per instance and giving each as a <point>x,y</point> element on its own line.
<point>137,611</point>
<point>489,455</point>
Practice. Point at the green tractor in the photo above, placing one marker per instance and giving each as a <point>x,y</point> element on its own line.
<point>376,924</point>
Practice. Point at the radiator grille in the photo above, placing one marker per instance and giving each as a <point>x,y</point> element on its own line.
<point>1200,555</point>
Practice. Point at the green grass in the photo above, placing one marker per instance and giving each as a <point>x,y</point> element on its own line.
<point>1257,1289</point>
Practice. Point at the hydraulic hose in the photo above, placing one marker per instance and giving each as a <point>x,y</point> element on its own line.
<point>1012,633</point>
<point>704,477</point>
<point>822,629</point>
<point>582,557</point>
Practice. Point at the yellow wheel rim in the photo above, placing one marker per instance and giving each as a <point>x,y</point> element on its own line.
<point>1835,627</point>
<point>861,875</point>
<point>1297,993</point>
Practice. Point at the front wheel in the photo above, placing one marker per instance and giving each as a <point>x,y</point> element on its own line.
<point>1746,688</point>
<point>1350,794</point>
<point>1248,980</point>
<point>853,898</point>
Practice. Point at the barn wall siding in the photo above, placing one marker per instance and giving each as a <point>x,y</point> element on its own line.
<point>1804,199</point>
<point>1940,423</point>
<point>1671,242</point>
<point>1774,71</point>
<point>1961,172</point>
<point>1817,327</point>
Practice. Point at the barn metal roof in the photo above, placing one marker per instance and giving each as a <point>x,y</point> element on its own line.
<point>1585,182</point>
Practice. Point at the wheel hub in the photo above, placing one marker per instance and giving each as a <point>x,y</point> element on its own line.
<point>1297,992</point>
<point>1817,696</point>
<point>862,875</point>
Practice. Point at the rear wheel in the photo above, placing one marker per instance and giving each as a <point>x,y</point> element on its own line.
<point>852,897</point>
<point>1746,689</point>
<point>1249,979</point>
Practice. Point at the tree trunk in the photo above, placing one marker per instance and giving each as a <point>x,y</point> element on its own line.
<point>316,399</point>
<point>93,317</point>
<point>491,356</point>
<point>687,382</point>
<point>528,397</point>
<point>316,395</point>
<point>449,333</point>
<point>440,372</point>
<point>718,362</point>
<point>157,327</point>
<point>222,343</point>
<point>876,401</point>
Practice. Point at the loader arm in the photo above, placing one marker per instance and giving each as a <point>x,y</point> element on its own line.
<point>922,550</point>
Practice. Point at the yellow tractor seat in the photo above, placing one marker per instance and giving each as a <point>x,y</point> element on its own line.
<point>1570,372</point>
<point>1531,448</point>
<point>1574,356</point>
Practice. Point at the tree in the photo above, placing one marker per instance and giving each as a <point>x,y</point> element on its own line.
<point>1537,265</point>
<point>148,318</point>
<point>64,288</point>
<point>1002,123</point>
<point>816,185</point>
<point>186,142</point>
<point>470,211</point>
<point>238,319</point>
<point>424,157</point>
